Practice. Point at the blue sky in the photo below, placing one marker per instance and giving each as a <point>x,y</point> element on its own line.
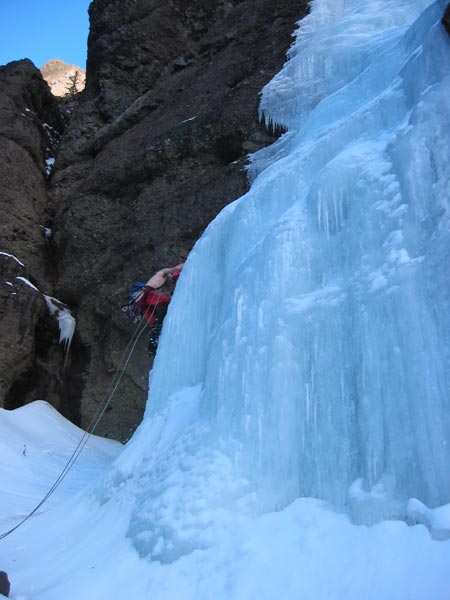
<point>44,29</point>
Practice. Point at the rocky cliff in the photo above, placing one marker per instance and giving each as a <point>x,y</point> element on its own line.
<point>155,148</point>
<point>446,19</point>
<point>31,125</point>
<point>64,80</point>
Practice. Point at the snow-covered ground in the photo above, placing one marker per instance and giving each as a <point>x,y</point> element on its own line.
<point>296,442</point>
<point>306,551</point>
<point>35,444</point>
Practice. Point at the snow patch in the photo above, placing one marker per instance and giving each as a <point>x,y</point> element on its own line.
<point>437,520</point>
<point>36,442</point>
<point>28,283</point>
<point>13,257</point>
<point>49,165</point>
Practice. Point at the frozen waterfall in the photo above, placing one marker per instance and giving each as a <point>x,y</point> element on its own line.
<point>314,317</point>
<point>301,389</point>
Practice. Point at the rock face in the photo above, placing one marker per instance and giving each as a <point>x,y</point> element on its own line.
<point>64,80</point>
<point>155,150</point>
<point>446,19</point>
<point>5,586</point>
<point>156,147</point>
<point>30,128</point>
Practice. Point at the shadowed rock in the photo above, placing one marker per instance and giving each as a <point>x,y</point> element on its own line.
<point>156,148</point>
<point>5,586</point>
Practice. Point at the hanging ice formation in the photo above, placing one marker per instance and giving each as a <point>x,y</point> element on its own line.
<point>66,321</point>
<point>313,320</point>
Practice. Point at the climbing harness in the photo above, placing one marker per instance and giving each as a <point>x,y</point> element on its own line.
<point>128,352</point>
<point>131,309</point>
<point>143,298</point>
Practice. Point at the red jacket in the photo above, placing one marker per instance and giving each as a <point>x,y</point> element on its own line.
<point>148,303</point>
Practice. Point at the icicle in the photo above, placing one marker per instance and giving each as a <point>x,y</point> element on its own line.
<point>66,322</point>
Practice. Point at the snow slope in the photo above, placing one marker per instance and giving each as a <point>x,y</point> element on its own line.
<point>297,443</point>
<point>35,444</point>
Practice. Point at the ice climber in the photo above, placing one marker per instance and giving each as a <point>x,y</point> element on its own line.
<point>153,303</point>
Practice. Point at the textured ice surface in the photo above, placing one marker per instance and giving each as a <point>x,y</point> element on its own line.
<point>315,311</point>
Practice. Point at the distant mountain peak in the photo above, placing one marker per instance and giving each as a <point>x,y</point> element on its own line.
<point>63,79</point>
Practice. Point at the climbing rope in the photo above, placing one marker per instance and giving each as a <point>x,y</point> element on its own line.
<point>128,352</point>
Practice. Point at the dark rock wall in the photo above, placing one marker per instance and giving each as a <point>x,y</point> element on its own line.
<point>446,19</point>
<point>31,360</point>
<point>27,111</point>
<point>157,146</point>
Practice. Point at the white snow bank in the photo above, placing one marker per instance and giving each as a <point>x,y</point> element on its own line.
<point>376,504</point>
<point>437,520</point>
<point>35,444</point>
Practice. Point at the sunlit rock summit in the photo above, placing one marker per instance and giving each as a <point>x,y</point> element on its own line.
<point>64,80</point>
